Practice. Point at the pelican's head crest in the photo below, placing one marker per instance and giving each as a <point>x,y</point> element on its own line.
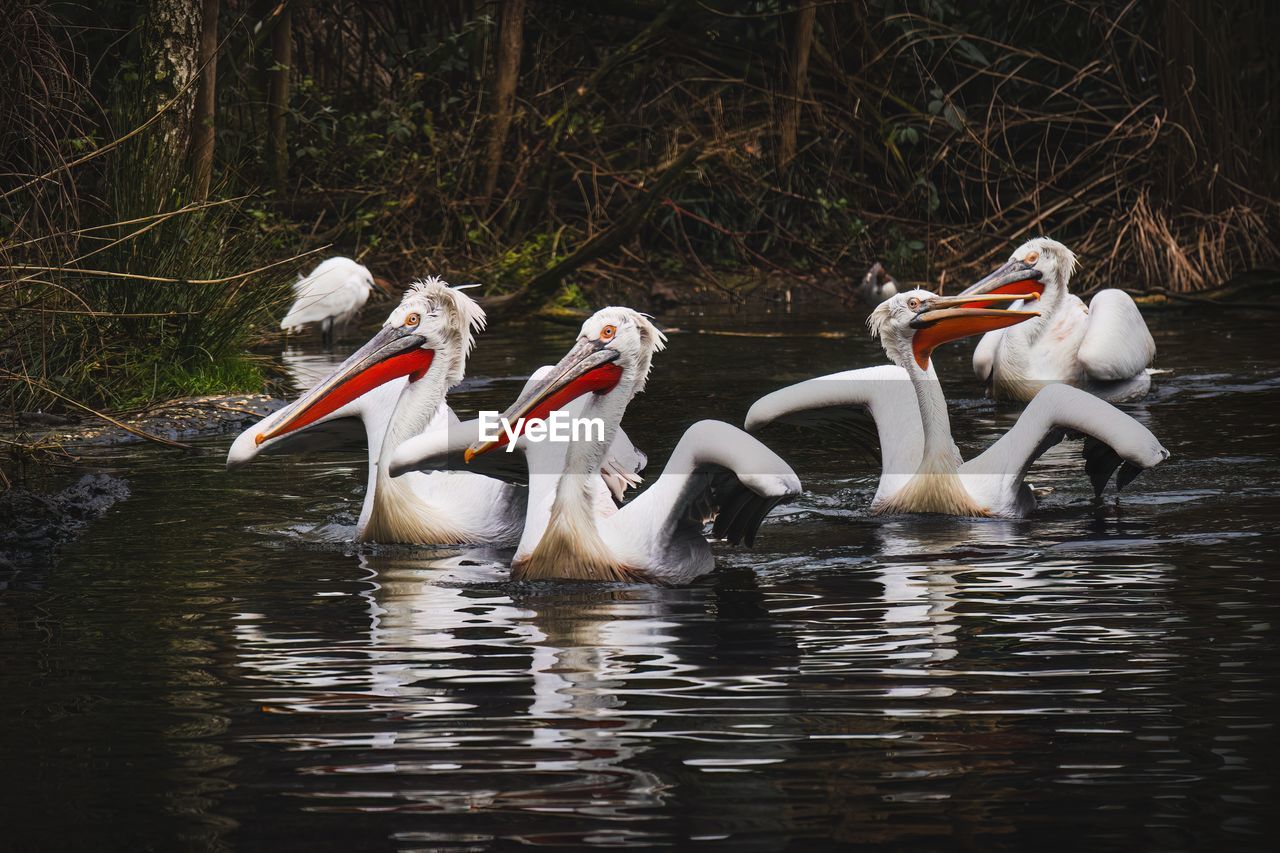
<point>1053,260</point>
<point>446,316</point>
<point>632,334</point>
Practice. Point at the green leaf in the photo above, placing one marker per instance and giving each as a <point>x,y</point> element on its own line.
<point>970,51</point>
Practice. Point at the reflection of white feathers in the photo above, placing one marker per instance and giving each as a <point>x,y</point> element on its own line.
<point>330,295</point>
<point>411,677</point>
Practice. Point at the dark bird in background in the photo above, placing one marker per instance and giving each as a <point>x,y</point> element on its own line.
<point>877,285</point>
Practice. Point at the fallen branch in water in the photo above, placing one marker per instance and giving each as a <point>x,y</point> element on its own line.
<point>1202,300</point>
<point>227,408</point>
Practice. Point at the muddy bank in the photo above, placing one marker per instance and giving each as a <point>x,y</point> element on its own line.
<point>33,525</point>
<point>174,420</point>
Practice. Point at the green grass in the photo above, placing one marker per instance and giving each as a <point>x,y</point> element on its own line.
<point>230,375</point>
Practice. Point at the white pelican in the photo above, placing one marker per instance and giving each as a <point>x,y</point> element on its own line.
<point>1104,349</point>
<point>392,388</point>
<point>922,471</point>
<point>330,295</point>
<point>716,471</point>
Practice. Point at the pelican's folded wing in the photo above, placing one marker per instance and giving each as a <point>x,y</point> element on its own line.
<point>874,405</point>
<point>622,466</point>
<point>720,474</point>
<point>328,290</point>
<point>1112,439</point>
<point>984,356</point>
<point>1117,344</point>
<point>313,301</point>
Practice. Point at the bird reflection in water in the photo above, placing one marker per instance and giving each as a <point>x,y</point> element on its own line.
<point>443,647</point>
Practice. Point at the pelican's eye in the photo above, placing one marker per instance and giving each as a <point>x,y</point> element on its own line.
<point>413,319</point>
<point>1031,257</point>
<point>607,333</point>
<point>913,303</point>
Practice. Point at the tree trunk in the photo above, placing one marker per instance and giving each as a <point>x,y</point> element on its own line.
<point>797,81</point>
<point>510,46</point>
<point>278,98</point>
<point>171,39</point>
<point>202,129</point>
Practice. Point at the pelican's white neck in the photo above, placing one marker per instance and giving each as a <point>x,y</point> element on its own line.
<point>940,452</point>
<point>936,486</point>
<point>416,406</point>
<point>398,513</point>
<point>584,457</point>
<point>571,546</point>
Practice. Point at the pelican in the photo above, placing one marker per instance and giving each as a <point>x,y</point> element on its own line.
<point>394,387</point>
<point>921,468</point>
<point>716,471</point>
<point>330,295</point>
<point>1104,348</point>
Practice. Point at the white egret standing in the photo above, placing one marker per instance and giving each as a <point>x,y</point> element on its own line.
<point>1104,348</point>
<point>717,472</point>
<point>921,468</point>
<point>330,296</point>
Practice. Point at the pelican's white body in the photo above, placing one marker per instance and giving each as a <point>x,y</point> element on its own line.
<point>572,530</point>
<point>330,296</point>
<point>571,517</point>
<point>1104,348</point>
<point>647,536</point>
<point>921,468</point>
<point>441,507</point>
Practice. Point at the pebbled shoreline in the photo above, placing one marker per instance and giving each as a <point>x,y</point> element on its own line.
<point>172,420</point>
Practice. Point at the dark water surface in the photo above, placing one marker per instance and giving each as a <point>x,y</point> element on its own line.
<point>198,672</point>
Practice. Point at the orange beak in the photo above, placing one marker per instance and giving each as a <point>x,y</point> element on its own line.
<point>587,368</point>
<point>390,354</point>
<point>1013,278</point>
<point>949,318</point>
